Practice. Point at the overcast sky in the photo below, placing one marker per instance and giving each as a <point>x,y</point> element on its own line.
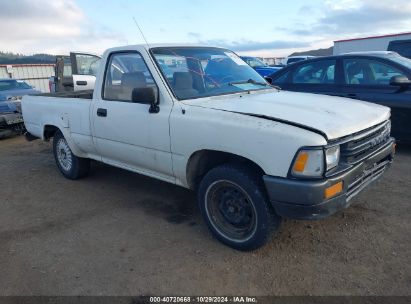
<point>264,28</point>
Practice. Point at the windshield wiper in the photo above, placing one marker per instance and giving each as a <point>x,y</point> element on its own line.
<point>252,81</point>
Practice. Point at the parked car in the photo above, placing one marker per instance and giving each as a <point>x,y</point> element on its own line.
<point>11,91</point>
<point>294,59</point>
<point>75,72</point>
<point>253,153</point>
<point>258,65</point>
<point>379,77</point>
<point>402,47</point>
<point>14,89</point>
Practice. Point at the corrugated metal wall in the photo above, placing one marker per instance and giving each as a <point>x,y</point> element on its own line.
<point>36,75</point>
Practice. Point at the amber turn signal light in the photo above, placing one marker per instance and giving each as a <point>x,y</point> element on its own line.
<point>300,162</point>
<point>333,190</point>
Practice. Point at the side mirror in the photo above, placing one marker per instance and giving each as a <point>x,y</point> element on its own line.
<point>147,95</point>
<point>400,81</point>
<point>269,80</point>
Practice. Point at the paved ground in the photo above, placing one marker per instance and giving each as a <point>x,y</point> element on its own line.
<point>119,233</point>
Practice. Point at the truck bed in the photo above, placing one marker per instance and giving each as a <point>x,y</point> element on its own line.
<point>58,109</point>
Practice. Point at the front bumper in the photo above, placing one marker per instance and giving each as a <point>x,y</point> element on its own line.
<point>302,199</point>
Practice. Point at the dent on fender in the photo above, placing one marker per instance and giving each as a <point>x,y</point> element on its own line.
<point>281,121</point>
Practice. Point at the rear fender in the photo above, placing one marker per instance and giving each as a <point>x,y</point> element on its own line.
<point>66,133</point>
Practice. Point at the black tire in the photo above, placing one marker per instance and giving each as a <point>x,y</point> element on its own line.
<point>71,166</point>
<point>234,204</point>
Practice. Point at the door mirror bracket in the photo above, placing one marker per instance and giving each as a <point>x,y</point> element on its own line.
<point>154,108</point>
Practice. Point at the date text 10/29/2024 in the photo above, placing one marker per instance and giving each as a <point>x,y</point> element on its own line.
<point>234,299</point>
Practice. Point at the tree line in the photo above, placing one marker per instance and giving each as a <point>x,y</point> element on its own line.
<point>12,58</point>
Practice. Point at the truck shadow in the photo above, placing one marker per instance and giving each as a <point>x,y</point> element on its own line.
<point>174,204</point>
<point>177,205</point>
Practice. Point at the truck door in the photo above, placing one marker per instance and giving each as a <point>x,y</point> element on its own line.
<point>84,67</point>
<point>125,133</point>
<point>76,72</point>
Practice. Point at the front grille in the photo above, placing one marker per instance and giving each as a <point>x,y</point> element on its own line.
<point>366,177</point>
<point>362,145</point>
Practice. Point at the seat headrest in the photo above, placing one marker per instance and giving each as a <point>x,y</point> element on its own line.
<point>182,80</point>
<point>133,80</point>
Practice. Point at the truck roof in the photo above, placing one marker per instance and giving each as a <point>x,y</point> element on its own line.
<point>155,45</point>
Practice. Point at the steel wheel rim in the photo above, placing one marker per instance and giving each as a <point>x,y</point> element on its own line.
<point>238,222</point>
<point>64,154</point>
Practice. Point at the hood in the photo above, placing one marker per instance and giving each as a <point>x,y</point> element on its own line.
<point>334,117</point>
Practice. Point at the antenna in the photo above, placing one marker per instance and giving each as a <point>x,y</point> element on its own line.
<point>141,32</point>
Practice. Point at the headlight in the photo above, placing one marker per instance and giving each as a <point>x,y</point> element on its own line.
<point>332,157</point>
<point>313,162</point>
<point>309,163</point>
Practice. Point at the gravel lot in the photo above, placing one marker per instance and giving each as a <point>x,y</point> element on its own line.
<point>119,233</point>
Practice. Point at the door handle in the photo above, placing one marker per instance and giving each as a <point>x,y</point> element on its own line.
<point>81,82</point>
<point>102,112</point>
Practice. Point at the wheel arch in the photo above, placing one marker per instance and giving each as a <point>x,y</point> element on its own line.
<point>202,161</point>
<point>49,130</point>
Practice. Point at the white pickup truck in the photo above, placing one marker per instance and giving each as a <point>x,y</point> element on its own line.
<point>201,118</point>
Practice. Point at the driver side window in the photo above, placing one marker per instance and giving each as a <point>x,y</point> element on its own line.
<point>127,77</point>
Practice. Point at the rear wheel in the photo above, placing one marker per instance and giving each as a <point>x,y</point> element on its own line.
<point>70,166</point>
<point>234,205</point>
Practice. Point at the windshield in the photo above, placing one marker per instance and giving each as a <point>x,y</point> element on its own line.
<point>6,85</point>
<point>255,62</point>
<point>194,72</point>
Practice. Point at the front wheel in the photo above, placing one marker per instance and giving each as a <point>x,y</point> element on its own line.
<point>233,203</point>
<point>70,166</point>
